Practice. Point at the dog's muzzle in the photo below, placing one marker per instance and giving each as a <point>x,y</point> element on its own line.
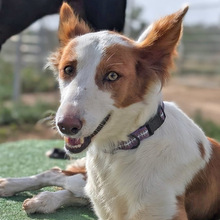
<point>77,145</point>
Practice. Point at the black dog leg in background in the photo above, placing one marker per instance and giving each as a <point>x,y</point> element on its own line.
<point>15,16</point>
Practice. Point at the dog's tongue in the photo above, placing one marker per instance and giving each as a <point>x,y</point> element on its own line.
<point>73,141</point>
<point>75,145</point>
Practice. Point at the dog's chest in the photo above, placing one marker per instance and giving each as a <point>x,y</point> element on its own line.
<point>102,189</point>
<point>119,190</point>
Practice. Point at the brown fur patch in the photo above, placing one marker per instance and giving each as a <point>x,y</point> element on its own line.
<point>202,198</point>
<point>70,25</point>
<point>181,212</point>
<point>134,80</point>
<point>202,150</point>
<point>140,64</point>
<point>69,173</point>
<point>54,59</point>
<point>73,170</point>
<point>159,47</point>
<point>68,58</point>
<point>64,56</point>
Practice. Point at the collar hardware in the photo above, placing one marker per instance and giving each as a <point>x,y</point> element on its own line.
<point>154,123</point>
<point>144,131</point>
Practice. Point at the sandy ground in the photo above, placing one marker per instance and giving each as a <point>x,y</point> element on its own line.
<point>191,94</point>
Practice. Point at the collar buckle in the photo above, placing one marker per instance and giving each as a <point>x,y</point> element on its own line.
<point>154,123</point>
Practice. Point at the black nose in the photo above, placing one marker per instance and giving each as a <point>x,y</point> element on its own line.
<point>69,125</point>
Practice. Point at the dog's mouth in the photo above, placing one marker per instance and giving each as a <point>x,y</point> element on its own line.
<point>77,145</point>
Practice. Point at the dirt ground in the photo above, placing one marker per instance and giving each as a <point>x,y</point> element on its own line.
<point>191,94</point>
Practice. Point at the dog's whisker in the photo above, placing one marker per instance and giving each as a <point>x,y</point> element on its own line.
<point>110,56</point>
<point>114,64</point>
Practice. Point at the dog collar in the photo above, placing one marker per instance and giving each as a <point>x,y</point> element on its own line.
<point>144,131</point>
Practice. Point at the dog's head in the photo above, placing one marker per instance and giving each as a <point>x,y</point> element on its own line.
<point>106,79</point>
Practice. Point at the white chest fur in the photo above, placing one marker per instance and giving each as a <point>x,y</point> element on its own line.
<point>143,183</point>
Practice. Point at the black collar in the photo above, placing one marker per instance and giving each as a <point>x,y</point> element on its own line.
<point>144,131</point>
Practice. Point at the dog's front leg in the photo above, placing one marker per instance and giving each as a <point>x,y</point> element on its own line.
<point>52,177</point>
<point>11,186</point>
<point>48,202</point>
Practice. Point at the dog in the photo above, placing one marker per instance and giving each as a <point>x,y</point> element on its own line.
<point>145,159</point>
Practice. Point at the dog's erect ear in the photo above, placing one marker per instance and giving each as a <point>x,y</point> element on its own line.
<point>158,43</point>
<point>70,26</point>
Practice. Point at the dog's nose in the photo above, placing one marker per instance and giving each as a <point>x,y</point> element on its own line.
<point>69,125</point>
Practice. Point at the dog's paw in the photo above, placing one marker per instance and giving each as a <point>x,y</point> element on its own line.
<point>41,203</point>
<point>6,189</point>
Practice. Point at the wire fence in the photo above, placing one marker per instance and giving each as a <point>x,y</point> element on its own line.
<point>201,51</point>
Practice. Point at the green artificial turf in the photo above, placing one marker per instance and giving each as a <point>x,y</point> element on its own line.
<point>24,158</point>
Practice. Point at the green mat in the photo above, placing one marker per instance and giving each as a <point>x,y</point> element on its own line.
<point>25,158</point>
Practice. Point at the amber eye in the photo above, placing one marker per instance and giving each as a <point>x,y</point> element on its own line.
<point>69,70</point>
<point>112,76</point>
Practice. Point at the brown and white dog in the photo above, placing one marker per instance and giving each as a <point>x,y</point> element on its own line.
<point>145,158</point>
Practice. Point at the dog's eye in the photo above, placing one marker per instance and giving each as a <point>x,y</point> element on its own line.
<point>69,70</point>
<point>112,76</point>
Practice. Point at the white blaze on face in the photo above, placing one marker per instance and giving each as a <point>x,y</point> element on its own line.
<point>88,101</point>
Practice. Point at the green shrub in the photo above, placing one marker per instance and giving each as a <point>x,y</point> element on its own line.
<point>209,127</point>
<point>6,80</point>
<point>33,81</point>
<point>23,114</point>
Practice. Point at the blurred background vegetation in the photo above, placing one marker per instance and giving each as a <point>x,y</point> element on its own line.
<point>27,92</point>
